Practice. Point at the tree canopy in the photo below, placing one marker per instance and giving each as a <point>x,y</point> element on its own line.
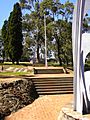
<point>31,24</point>
<point>58,25</point>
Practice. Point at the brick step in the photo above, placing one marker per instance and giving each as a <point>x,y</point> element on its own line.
<point>51,82</point>
<point>52,87</point>
<point>54,84</point>
<point>48,71</point>
<point>54,92</point>
<point>53,79</point>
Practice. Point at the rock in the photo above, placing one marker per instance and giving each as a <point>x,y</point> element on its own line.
<point>16,95</point>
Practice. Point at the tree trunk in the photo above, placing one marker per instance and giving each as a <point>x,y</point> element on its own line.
<point>60,61</point>
<point>38,58</point>
<point>12,62</point>
<point>67,61</point>
<point>17,62</point>
<point>58,45</point>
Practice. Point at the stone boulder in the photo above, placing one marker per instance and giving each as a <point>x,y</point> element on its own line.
<point>16,95</point>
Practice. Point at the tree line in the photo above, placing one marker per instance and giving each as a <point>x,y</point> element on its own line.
<point>12,35</point>
<point>23,34</point>
<point>58,28</point>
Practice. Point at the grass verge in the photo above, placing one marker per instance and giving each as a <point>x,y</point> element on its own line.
<point>14,73</point>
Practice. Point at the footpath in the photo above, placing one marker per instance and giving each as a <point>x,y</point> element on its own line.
<point>44,108</point>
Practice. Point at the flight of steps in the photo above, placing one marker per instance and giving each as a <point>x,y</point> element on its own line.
<point>51,83</point>
<point>57,85</point>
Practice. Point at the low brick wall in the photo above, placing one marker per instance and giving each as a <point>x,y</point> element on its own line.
<point>67,113</point>
<point>15,95</point>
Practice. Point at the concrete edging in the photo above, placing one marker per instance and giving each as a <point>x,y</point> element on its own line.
<point>67,113</point>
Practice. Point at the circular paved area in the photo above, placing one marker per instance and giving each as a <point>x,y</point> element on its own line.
<point>44,108</point>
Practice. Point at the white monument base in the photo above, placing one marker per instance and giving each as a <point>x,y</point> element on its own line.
<point>67,113</point>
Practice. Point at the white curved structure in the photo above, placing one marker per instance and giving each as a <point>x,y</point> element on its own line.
<point>87,83</point>
<point>81,99</point>
<point>85,45</point>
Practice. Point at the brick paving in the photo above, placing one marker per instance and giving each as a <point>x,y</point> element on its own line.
<point>44,108</point>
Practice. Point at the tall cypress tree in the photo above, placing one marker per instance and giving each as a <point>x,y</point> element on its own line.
<point>15,34</point>
<point>4,34</point>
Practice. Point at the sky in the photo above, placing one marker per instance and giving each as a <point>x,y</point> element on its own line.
<point>6,6</point>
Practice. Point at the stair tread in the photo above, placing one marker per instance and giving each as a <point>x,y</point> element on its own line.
<point>54,92</point>
<point>53,84</point>
<point>55,89</point>
<point>49,87</point>
<point>53,78</point>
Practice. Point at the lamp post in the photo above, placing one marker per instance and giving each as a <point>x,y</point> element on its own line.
<point>46,65</point>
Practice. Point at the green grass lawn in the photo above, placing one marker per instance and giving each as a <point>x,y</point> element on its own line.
<point>21,64</point>
<point>15,73</point>
<point>11,73</point>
